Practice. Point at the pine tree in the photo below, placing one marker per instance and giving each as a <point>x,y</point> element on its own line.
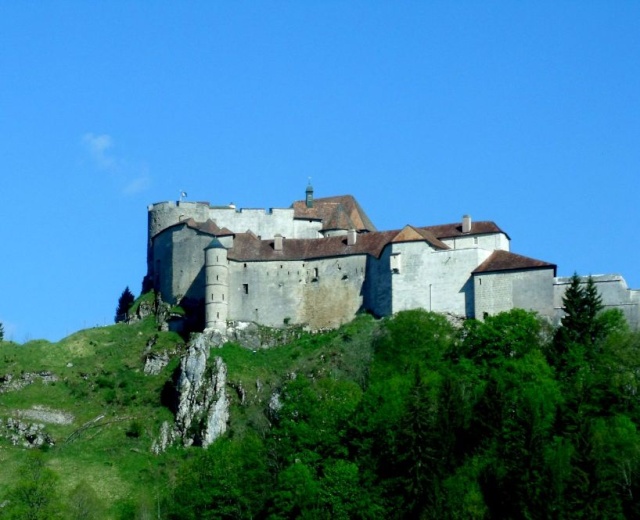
<point>581,305</point>
<point>124,304</point>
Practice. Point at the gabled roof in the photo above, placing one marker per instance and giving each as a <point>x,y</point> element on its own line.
<point>209,227</point>
<point>507,261</point>
<point>411,234</point>
<point>328,210</point>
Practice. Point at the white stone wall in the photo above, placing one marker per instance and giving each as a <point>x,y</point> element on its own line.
<point>615,294</point>
<point>264,223</point>
<point>434,280</point>
<point>307,228</point>
<point>491,241</point>
<point>320,293</point>
<point>165,214</point>
<point>506,290</point>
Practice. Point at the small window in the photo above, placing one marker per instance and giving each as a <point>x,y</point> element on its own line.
<point>396,262</point>
<point>222,296</point>
<point>245,288</point>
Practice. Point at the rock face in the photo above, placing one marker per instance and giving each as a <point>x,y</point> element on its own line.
<point>9,383</point>
<point>28,435</point>
<point>155,362</point>
<point>203,403</point>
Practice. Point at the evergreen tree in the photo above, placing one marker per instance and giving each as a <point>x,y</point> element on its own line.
<point>1,332</point>
<point>581,305</point>
<point>124,304</point>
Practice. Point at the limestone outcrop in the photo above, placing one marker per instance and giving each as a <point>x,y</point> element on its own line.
<point>25,434</point>
<point>203,403</point>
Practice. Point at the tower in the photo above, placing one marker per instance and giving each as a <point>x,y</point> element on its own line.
<point>309,195</point>
<point>216,286</point>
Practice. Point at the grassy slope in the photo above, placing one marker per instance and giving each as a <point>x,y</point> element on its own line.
<point>106,378</point>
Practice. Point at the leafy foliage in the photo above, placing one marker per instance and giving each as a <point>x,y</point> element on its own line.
<point>405,417</point>
<point>34,496</point>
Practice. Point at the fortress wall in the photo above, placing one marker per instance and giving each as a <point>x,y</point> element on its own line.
<point>265,292</point>
<point>163,268</point>
<point>321,293</point>
<point>264,223</point>
<point>506,290</point>
<point>614,291</point>
<point>307,228</point>
<point>333,293</point>
<point>188,263</point>
<point>434,280</point>
<point>490,242</point>
<point>181,254</point>
<point>164,214</point>
<point>377,287</point>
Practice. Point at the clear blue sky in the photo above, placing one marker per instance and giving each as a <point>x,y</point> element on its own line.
<point>525,113</point>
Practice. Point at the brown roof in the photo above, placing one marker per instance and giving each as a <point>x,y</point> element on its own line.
<point>342,210</point>
<point>247,247</point>
<point>411,234</point>
<point>507,261</point>
<point>455,230</point>
<point>209,227</point>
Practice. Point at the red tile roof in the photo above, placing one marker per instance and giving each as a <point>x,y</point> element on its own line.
<point>482,227</point>
<point>507,261</point>
<point>341,210</point>
<point>248,247</point>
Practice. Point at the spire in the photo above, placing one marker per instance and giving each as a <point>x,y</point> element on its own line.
<point>309,195</point>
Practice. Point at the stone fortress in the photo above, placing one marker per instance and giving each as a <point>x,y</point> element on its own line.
<point>321,261</point>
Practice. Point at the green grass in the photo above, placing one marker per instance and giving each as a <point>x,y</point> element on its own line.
<point>100,373</point>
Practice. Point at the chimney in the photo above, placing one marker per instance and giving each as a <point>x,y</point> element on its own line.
<point>351,237</point>
<point>466,224</point>
<point>277,242</point>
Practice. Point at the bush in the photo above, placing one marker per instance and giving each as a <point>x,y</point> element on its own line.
<point>134,430</point>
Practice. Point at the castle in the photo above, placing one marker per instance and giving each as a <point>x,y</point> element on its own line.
<point>321,261</point>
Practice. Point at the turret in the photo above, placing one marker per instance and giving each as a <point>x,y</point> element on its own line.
<point>216,286</point>
<point>309,195</point>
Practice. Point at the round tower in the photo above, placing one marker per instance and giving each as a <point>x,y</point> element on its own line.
<point>216,286</point>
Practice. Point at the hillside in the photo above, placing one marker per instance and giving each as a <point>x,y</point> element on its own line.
<point>410,416</point>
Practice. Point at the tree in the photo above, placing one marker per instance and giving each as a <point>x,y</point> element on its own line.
<point>581,304</point>
<point>83,503</point>
<point>1,332</point>
<point>35,496</point>
<point>124,304</point>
